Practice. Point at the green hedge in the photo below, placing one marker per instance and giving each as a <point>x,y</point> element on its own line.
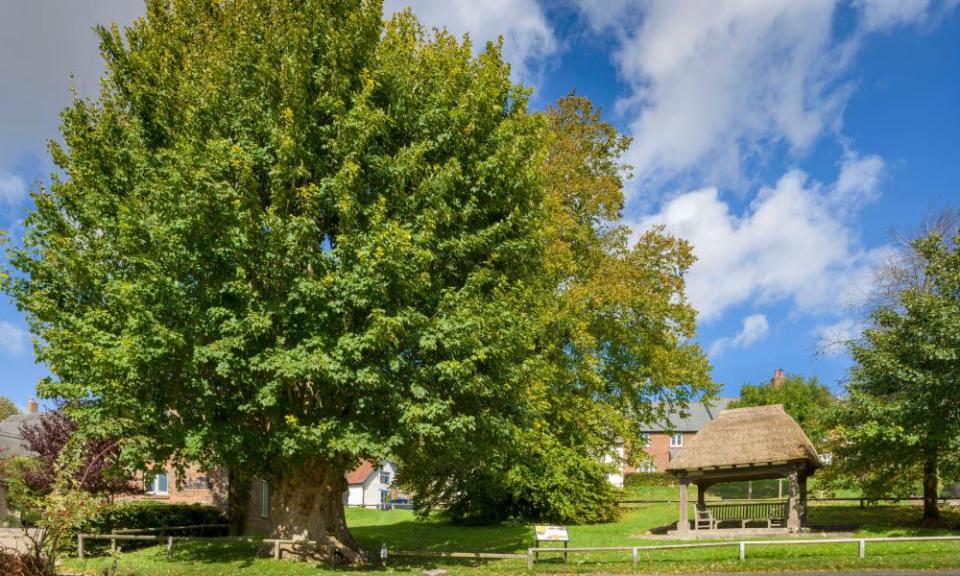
<point>647,479</point>
<point>150,514</point>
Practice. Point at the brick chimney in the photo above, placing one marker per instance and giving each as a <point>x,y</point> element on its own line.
<point>32,406</point>
<point>777,379</point>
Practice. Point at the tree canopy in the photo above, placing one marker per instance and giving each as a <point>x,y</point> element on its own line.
<point>901,421</point>
<point>805,399</point>
<point>7,408</point>
<point>612,333</point>
<point>289,236</point>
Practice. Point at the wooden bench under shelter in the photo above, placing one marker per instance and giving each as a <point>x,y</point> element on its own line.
<point>710,516</point>
<point>757,443</point>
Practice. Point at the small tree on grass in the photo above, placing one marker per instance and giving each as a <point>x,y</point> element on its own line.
<point>61,512</point>
<point>901,421</point>
<point>805,399</point>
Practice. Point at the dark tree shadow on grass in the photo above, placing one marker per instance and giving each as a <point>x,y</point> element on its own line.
<point>442,537</point>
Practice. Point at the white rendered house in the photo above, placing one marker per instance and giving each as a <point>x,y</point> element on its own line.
<point>369,484</point>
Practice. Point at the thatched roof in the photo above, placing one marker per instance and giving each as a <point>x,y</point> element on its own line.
<point>754,436</point>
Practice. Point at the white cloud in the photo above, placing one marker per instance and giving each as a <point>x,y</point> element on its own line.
<point>754,329</point>
<point>883,14</point>
<point>13,189</point>
<point>41,45</point>
<point>859,180</point>
<point>528,38</point>
<point>832,339</point>
<point>13,339</point>
<point>714,84</point>
<point>792,244</point>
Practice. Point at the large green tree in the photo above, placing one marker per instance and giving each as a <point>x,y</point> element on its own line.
<point>289,236</point>
<point>901,421</point>
<point>805,399</point>
<point>613,330</point>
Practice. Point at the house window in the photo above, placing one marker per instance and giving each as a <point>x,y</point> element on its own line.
<point>385,478</point>
<point>158,485</point>
<point>676,441</point>
<point>647,467</point>
<point>384,498</point>
<point>264,499</point>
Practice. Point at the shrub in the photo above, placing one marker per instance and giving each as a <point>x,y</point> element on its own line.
<point>150,514</point>
<point>13,564</point>
<point>648,479</point>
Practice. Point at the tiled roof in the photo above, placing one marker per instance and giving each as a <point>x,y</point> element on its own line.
<point>699,414</point>
<point>11,443</point>
<point>360,474</point>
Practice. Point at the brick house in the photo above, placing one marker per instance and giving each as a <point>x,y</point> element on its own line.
<point>193,486</point>
<point>665,441</point>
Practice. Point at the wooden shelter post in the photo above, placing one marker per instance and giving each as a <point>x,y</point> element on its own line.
<point>701,495</point>
<point>793,502</point>
<point>683,523</point>
<point>803,500</point>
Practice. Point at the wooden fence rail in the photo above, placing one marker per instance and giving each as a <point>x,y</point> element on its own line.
<point>114,538</point>
<point>167,528</point>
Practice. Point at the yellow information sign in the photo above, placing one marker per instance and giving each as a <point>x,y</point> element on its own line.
<point>552,534</point>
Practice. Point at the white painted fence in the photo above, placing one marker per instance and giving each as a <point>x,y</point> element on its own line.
<point>533,553</point>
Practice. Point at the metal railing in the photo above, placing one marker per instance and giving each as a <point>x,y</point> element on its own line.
<point>533,553</point>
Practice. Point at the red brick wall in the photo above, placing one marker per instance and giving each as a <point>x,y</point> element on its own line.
<point>194,486</point>
<point>659,450</point>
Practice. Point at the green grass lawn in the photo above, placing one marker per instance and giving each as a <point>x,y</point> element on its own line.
<point>400,530</point>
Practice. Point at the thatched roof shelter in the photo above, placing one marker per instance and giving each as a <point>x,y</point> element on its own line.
<point>747,437</point>
<point>748,444</point>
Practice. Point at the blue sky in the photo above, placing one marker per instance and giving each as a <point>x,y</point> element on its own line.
<point>786,140</point>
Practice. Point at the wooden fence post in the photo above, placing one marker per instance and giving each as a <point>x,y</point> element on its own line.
<point>743,550</point>
<point>276,550</point>
<point>169,547</point>
<point>863,548</point>
<point>635,557</point>
<point>80,546</point>
<point>530,560</point>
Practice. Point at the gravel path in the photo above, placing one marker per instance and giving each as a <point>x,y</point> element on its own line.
<point>12,539</point>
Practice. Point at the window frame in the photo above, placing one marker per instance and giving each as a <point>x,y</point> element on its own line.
<point>154,486</point>
<point>264,499</point>
<point>673,440</point>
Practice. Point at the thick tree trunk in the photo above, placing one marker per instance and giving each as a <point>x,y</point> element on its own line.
<point>306,503</point>
<point>931,511</point>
